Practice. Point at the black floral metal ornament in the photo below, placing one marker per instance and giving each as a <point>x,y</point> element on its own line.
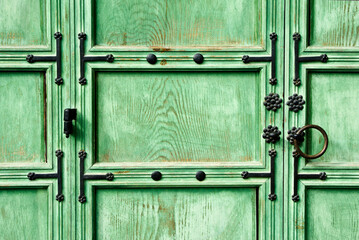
<point>271,134</point>
<point>272,102</point>
<point>292,134</point>
<point>295,102</point>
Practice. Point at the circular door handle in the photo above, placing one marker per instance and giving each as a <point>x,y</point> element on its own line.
<point>300,152</point>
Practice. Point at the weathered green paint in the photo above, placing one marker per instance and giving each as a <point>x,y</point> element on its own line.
<point>326,209</point>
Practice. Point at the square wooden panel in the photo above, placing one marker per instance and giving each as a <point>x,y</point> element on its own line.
<point>176,213</point>
<point>25,25</point>
<point>170,25</point>
<point>187,117</point>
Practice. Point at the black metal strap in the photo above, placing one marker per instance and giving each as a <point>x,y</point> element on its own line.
<point>58,175</point>
<point>297,59</point>
<point>108,58</point>
<point>83,176</point>
<point>272,196</point>
<point>31,58</point>
<point>247,59</point>
<point>321,176</point>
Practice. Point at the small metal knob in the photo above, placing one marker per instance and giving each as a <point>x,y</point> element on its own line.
<point>151,58</point>
<point>198,58</point>
<point>200,175</point>
<point>156,175</point>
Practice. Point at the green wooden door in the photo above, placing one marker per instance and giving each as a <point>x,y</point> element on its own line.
<point>180,133</point>
<point>327,208</point>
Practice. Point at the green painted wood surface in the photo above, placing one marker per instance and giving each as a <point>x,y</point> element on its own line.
<point>23,117</point>
<point>185,213</point>
<point>20,28</point>
<point>332,213</point>
<point>167,24</point>
<point>23,214</point>
<point>178,116</point>
<point>334,23</point>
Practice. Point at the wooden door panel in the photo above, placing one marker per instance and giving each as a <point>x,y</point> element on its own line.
<point>24,121</point>
<point>20,30</point>
<point>170,213</point>
<point>331,212</point>
<point>187,117</point>
<point>332,104</point>
<point>211,24</point>
<point>24,213</point>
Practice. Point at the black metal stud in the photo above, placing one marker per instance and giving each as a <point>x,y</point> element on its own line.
<point>271,134</point>
<point>151,58</point>
<point>292,134</point>
<point>198,58</point>
<point>200,175</point>
<point>156,175</point>
<point>272,102</point>
<point>295,102</point>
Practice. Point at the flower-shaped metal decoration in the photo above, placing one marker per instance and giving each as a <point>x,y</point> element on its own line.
<point>295,102</point>
<point>271,134</point>
<point>292,134</point>
<point>272,102</point>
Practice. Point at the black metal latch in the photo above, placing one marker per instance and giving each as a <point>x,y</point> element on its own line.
<point>69,115</point>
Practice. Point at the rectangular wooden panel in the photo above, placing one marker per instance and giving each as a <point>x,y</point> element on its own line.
<point>23,117</point>
<point>178,116</point>
<point>24,24</point>
<point>333,105</point>
<point>23,214</point>
<point>332,214</point>
<point>333,23</point>
<point>161,24</point>
<point>183,213</point>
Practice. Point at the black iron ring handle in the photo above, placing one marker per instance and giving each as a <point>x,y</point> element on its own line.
<point>307,156</point>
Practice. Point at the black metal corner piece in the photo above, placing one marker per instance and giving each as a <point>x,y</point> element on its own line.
<point>272,196</point>
<point>108,176</point>
<point>247,59</point>
<point>108,58</point>
<point>31,58</point>
<point>32,176</point>
<point>322,58</point>
<point>321,176</point>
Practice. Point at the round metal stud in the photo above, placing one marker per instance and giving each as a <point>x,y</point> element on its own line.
<point>156,175</point>
<point>198,58</point>
<point>200,175</point>
<point>151,58</point>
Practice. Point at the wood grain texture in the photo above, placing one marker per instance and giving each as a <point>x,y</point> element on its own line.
<point>23,214</point>
<point>332,103</point>
<point>23,23</point>
<point>332,214</point>
<point>22,121</point>
<point>178,116</point>
<point>334,23</point>
<point>190,213</point>
<point>167,24</point>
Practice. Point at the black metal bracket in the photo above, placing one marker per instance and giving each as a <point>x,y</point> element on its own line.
<point>108,58</point>
<point>322,58</point>
<point>32,176</point>
<point>272,196</point>
<point>69,115</point>
<point>32,59</point>
<point>247,59</point>
<point>83,176</point>
<point>321,176</point>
